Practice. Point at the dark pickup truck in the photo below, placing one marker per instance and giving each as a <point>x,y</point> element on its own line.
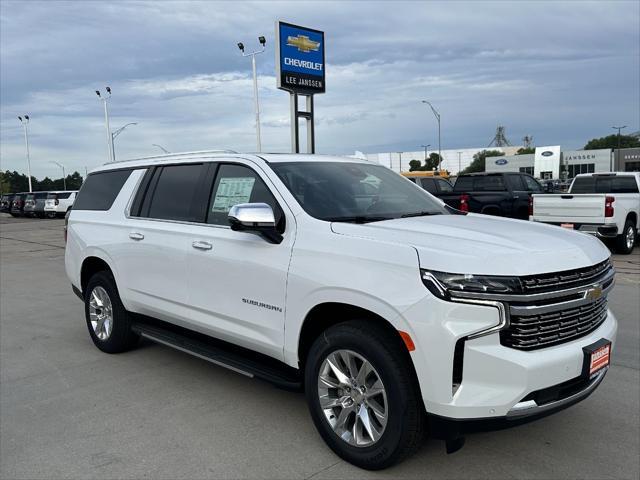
<point>502,194</point>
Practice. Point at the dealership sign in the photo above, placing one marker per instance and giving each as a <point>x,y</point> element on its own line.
<point>502,161</point>
<point>300,64</point>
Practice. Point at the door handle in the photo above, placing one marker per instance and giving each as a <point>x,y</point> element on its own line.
<point>136,236</point>
<point>202,245</point>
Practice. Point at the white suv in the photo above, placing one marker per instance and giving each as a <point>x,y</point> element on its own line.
<point>59,203</point>
<point>394,312</point>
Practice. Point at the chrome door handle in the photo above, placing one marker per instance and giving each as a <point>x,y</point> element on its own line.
<point>136,236</point>
<point>202,245</point>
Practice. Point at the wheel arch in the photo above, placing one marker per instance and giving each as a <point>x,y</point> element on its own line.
<point>633,216</point>
<point>90,266</point>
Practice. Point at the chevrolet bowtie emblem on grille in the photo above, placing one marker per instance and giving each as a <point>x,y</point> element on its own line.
<point>303,43</point>
<point>593,293</point>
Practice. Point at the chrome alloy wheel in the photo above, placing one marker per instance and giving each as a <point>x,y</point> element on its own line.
<point>352,398</point>
<point>100,313</point>
<point>630,238</point>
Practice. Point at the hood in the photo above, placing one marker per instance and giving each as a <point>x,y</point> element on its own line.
<point>481,244</point>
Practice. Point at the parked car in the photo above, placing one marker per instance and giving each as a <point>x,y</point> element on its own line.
<point>5,202</point>
<point>433,185</point>
<point>603,204</point>
<point>390,309</point>
<point>34,204</point>
<point>501,194</point>
<point>17,204</point>
<point>60,202</point>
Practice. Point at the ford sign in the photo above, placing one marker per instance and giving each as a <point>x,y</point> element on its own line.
<point>502,161</point>
<point>547,153</point>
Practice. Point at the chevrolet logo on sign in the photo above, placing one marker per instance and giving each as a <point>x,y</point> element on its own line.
<point>303,43</point>
<point>593,293</point>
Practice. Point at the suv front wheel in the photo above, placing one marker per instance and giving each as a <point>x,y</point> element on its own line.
<point>108,321</point>
<point>363,399</point>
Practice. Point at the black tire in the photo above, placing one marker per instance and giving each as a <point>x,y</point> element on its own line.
<point>405,425</point>
<point>622,244</point>
<point>121,338</point>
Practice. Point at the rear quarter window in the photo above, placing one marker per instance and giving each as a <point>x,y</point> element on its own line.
<point>100,190</point>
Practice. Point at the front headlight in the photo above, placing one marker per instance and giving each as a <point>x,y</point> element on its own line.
<point>442,284</point>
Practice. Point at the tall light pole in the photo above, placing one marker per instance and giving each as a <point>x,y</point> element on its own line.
<point>459,163</point>
<point>25,121</point>
<point>263,42</point>
<point>105,99</point>
<point>64,176</point>
<point>425,152</point>
<point>115,133</point>
<point>160,147</point>
<point>617,166</point>
<point>400,155</point>
<point>437,115</point>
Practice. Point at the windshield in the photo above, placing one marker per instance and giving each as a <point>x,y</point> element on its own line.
<point>354,192</point>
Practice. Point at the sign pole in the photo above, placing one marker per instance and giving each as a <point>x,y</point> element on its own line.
<point>311,140</point>
<point>295,143</point>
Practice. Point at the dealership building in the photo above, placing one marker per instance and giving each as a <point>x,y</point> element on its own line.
<point>553,163</point>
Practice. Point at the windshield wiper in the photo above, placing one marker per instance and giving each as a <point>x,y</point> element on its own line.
<point>419,214</point>
<point>357,219</point>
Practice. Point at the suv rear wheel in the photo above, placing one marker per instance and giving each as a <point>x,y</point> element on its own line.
<point>362,397</point>
<point>108,321</point>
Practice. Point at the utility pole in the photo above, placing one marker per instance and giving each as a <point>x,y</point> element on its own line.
<point>105,99</point>
<point>263,42</point>
<point>459,162</point>
<point>400,155</point>
<point>617,166</point>
<point>437,115</point>
<point>425,152</point>
<point>25,121</point>
<point>64,176</point>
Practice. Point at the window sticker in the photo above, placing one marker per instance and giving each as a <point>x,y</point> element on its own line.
<point>232,191</point>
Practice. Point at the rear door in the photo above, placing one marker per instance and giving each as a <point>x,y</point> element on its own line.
<point>153,257</point>
<point>236,284</point>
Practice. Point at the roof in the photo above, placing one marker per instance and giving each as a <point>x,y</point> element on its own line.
<point>187,157</point>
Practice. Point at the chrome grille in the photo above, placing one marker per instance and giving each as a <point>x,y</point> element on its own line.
<point>567,279</point>
<point>544,330</point>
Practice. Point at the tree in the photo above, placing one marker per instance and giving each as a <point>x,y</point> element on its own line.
<point>611,141</point>
<point>17,182</point>
<point>415,165</point>
<point>431,164</point>
<point>478,163</point>
<point>525,150</point>
<point>5,185</point>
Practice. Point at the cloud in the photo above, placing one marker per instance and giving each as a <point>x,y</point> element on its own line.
<point>563,72</point>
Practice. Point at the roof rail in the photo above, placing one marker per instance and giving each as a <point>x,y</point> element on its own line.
<point>165,155</point>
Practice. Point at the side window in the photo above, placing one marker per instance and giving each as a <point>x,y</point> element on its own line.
<point>489,183</point>
<point>236,184</point>
<point>173,194</point>
<point>531,184</point>
<point>624,184</point>
<point>515,182</point>
<point>463,184</point>
<point>100,190</point>
<point>444,185</point>
<point>429,185</point>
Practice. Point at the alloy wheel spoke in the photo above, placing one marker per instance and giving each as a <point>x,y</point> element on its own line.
<point>363,413</point>
<point>339,374</point>
<point>331,402</point>
<point>343,417</point>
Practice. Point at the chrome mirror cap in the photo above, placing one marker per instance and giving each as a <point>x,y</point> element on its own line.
<point>252,215</point>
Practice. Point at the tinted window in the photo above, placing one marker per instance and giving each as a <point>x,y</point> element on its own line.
<point>100,190</point>
<point>531,184</point>
<point>444,185</point>
<point>60,195</point>
<point>515,182</point>
<point>429,185</point>
<point>173,195</point>
<point>489,183</point>
<point>463,184</point>
<point>609,184</point>
<point>236,184</point>
<point>41,195</point>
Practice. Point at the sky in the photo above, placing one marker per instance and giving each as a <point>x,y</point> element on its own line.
<point>562,72</point>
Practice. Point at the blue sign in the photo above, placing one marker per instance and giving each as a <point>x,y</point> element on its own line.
<point>300,59</point>
<point>547,153</point>
<point>502,161</point>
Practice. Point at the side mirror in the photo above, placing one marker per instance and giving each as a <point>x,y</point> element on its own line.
<point>254,217</point>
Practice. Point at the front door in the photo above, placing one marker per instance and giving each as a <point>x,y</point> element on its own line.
<point>236,281</point>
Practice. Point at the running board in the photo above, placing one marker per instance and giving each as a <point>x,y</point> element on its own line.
<point>223,354</point>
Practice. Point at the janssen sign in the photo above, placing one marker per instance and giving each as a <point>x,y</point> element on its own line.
<point>300,64</point>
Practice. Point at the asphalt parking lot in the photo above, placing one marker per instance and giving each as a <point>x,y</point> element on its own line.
<point>69,411</point>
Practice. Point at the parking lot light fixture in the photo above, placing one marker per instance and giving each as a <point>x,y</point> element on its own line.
<point>437,115</point>
<point>64,176</point>
<point>160,147</point>
<point>425,151</point>
<point>253,54</point>
<point>25,122</point>
<point>105,99</point>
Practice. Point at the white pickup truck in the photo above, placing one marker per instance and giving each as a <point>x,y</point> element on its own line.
<point>603,204</point>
